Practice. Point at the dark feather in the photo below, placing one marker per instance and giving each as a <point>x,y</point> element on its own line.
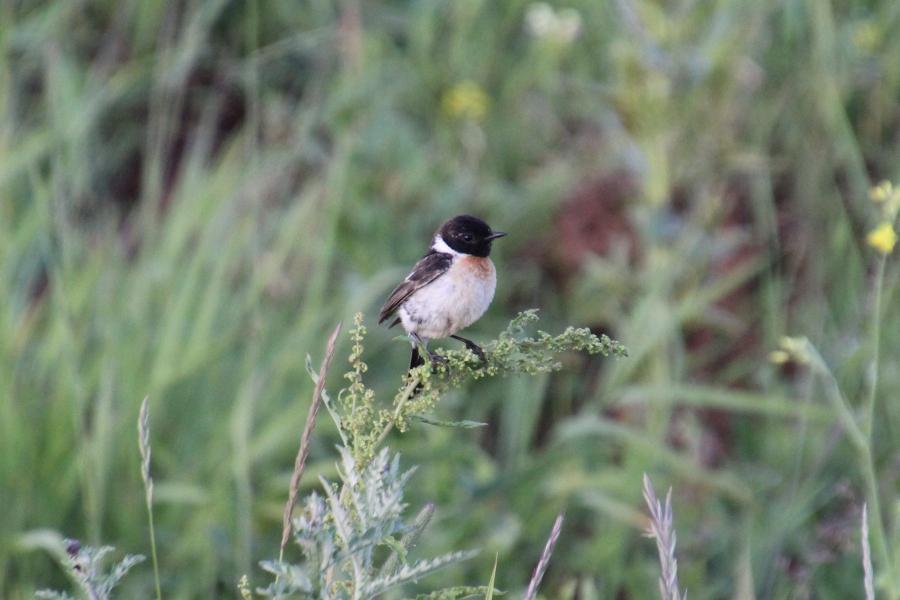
<point>430,267</point>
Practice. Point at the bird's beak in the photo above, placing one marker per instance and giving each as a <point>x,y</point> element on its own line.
<point>495,235</point>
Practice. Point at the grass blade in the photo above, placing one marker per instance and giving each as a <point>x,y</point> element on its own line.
<point>303,451</point>
<point>490,591</point>
<point>542,565</point>
<point>144,447</point>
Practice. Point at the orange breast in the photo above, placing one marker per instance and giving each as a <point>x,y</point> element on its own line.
<point>479,266</point>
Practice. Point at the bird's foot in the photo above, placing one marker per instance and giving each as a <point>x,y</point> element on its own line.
<point>436,361</point>
<point>473,348</point>
<point>477,351</point>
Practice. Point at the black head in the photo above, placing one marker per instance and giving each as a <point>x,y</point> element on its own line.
<point>469,235</point>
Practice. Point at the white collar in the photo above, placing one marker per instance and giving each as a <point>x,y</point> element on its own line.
<point>439,245</point>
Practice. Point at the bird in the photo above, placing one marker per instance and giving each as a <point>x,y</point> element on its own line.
<point>448,289</point>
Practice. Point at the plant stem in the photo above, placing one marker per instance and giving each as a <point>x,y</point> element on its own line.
<point>146,451</point>
<point>149,499</point>
<point>868,426</point>
<point>879,534</point>
<point>407,394</point>
<point>303,450</point>
<point>862,441</point>
<point>879,537</point>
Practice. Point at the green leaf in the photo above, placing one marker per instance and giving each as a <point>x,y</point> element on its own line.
<point>455,593</point>
<point>397,546</point>
<point>454,424</point>
<point>490,590</point>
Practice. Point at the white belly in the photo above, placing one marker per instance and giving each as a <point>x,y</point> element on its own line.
<point>453,301</point>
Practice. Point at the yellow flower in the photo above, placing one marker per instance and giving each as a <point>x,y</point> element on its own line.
<point>465,100</point>
<point>882,238</point>
<point>888,197</point>
<point>779,357</point>
<point>791,349</point>
<point>881,192</point>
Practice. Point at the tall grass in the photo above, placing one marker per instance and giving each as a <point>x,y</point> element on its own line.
<point>192,193</point>
<point>146,450</point>
<point>662,529</point>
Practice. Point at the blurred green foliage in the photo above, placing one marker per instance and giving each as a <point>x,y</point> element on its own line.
<point>193,193</point>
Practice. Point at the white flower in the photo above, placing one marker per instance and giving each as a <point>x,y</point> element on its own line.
<point>560,27</point>
<point>540,19</point>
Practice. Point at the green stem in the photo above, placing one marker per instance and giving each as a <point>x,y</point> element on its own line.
<point>861,438</point>
<point>857,437</point>
<point>149,498</point>
<point>876,350</point>
<point>879,537</point>
<point>407,394</point>
<point>867,466</point>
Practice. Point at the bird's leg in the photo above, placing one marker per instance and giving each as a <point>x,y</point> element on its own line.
<point>436,359</point>
<point>416,359</point>
<point>420,348</point>
<point>475,348</point>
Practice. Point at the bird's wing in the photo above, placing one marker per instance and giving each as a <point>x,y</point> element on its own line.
<point>430,267</point>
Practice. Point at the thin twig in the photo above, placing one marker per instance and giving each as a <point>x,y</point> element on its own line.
<point>542,565</point>
<point>303,451</point>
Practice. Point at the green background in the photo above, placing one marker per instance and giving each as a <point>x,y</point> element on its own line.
<point>193,193</point>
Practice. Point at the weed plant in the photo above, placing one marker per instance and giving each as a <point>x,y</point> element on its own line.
<point>354,541</point>
<point>193,193</point>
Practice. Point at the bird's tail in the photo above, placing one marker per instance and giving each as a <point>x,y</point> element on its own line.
<point>416,359</point>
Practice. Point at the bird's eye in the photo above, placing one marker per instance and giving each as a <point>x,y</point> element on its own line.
<point>467,237</point>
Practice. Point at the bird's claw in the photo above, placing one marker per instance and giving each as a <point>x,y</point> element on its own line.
<point>436,359</point>
<point>477,351</point>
